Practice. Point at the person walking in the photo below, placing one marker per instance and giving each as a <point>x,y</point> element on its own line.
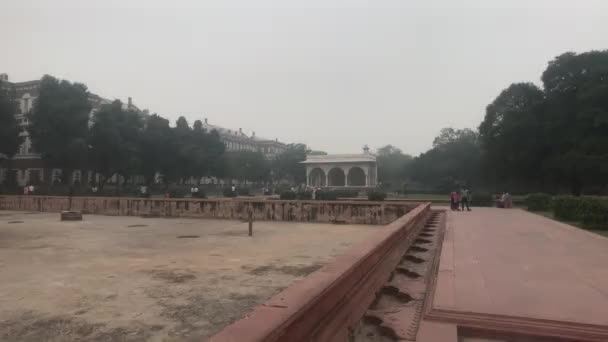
<point>454,200</point>
<point>507,200</point>
<point>465,198</point>
<point>452,194</point>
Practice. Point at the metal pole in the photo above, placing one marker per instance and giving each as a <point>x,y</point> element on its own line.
<point>250,223</point>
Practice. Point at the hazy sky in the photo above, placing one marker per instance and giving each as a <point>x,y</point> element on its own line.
<point>332,74</point>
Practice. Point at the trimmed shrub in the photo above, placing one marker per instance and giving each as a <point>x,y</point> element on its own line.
<point>482,200</point>
<point>281,188</point>
<point>376,196</point>
<point>594,213</point>
<point>538,202</point>
<point>288,195</point>
<point>567,208</point>
<point>591,212</point>
<point>175,194</point>
<point>345,193</point>
<point>327,195</point>
<point>199,194</point>
<point>304,195</point>
<point>243,191</point>
<point>229,193</point>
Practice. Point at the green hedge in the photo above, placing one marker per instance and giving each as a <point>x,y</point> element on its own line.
<point>243,191</point>
<point>345,193</point>
<point>591,212</point>
<point>376,196</point>
<point>229,193</point>
<point>288,195</point>
<point>325,195</point>
<point>199,194</point>
<point>482,200</point>
<point>304,195</point>
<point>538,202</point>
<point>322,195</point>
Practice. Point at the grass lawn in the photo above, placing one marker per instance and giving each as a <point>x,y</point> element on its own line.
<point>427,197</point>
<point>446,197</point>
<point>549,214</point>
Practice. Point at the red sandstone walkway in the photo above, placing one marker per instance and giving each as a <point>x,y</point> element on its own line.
<point>514,263</point>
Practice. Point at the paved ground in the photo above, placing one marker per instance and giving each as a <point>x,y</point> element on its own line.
<point>134,279</point>
<point>511,262</point>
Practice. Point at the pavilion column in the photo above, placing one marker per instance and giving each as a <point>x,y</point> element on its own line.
<point>345,170</point>
<point>375,174</point>
<point>307,176</point>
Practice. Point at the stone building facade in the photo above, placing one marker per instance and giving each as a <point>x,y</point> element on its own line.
<point>342,170</point>
<point>27,164</point>
<point>29,168</point>
<point>238,140</point>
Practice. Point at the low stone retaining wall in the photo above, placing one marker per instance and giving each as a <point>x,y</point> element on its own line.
<point>328,304</point>
<point>348,212</point>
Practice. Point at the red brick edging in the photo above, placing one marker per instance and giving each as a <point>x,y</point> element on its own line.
<point>326,305</point>
<point>347,212</point>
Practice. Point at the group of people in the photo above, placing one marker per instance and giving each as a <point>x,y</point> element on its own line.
<point>29,190</point>
<point>460,199</point>
<point>504,200</point>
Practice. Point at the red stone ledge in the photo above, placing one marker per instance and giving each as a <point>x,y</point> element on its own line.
<point>500,325</point>
<point>219,199</point>
<point>348,212</point>
<point>326,305</point>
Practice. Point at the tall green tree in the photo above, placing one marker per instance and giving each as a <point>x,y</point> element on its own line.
<point>576,119</point>
<point>199,151</point>
<point>392,166</point>
<point>59,123</point>
<point>10,131</point>
<point>113,141</point>
<point>184,166</point>
<point>452,162</point>
<point>554,139</point>
<point>287,165</point>
<point>208,149</point>
<point>157,148</point>
<point>512,137</point>
<point>246,166</point>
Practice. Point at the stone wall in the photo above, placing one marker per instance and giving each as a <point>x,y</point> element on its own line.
<point>349,212</point>
<point>328,304</point>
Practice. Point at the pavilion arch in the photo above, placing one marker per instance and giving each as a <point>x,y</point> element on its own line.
<point>336,177</point>
<point>356,177</point>
<point>316,177</point>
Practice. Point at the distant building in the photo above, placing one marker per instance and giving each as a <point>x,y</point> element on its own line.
<point>342,170</point>
<point>27,164</point>
<point>237,140</point>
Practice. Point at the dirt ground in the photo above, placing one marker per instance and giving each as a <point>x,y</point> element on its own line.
<point>142,279</point>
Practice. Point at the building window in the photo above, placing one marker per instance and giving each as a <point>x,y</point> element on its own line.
<point>76,177</point>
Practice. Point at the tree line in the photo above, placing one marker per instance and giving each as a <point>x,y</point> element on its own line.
<point>117,140</point>
<point>553,138</point>
<point>550,139</point>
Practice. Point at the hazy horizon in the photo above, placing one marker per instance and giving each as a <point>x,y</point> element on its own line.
<point>332,74</point>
